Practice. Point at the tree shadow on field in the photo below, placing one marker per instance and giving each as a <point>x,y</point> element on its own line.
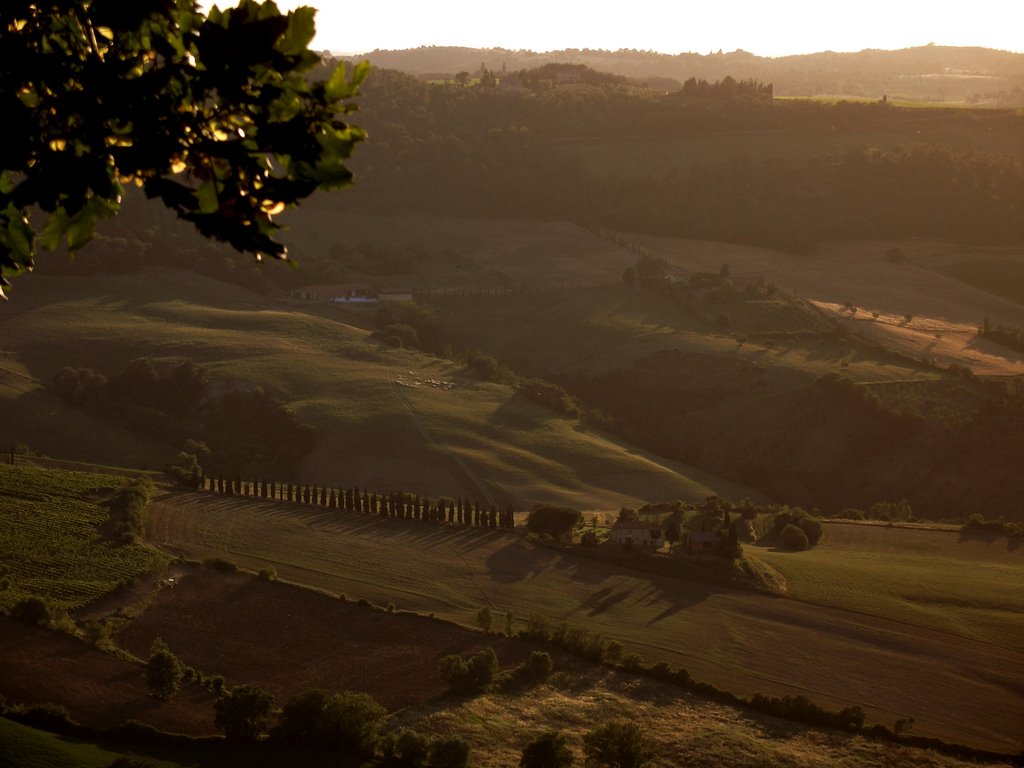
<point>990,538</point>
<point>517,561</point>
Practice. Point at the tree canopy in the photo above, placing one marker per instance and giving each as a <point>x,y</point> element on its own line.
<point>217,115</point>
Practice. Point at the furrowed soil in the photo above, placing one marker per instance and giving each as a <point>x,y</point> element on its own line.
<point>98,688</point>
<point>957,688</point>
<point>288,640</point>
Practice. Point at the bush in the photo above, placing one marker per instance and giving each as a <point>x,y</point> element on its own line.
<point>616,745</point>
<point>243,713</point>
<point>350,723</point>
<point>470,675</point>
<point>549,750</point>
<point>220,564</point>
<point>35,611</point>
<point>449,752</point>
<point>793,537</point>
<point>406,749</point>
<point>540,664</point>
<point>47,717</point>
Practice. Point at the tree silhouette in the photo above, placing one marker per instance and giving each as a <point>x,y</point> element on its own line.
<point>213,114</point>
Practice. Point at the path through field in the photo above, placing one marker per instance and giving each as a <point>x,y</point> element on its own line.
<point>956,688</point>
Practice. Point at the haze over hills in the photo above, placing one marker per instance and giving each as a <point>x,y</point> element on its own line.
<point>930,73</point>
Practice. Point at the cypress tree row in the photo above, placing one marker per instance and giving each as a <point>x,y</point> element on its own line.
<point>394,504</point>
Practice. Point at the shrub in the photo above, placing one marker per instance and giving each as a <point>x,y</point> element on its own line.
<point>351,722</point>
<point>470,675</point>
<point>449,752</point>
<point>406,749</point>
<point>268,574</point>
<point>35,611</point>
<point>613,652</point>
<point>243,713</point>
<point>549,750</point>
<point>540,664</point>
<point>812,528</point>
<point>220,564</point>
<point>793,537</point>
<point>616,745</point>
<point>484,619</point>
<point>47,717</point>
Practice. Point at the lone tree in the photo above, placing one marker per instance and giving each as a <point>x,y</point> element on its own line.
<point>215,114</point>
<point>163,671</point>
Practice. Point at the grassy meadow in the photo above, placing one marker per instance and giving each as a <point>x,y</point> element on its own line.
<point>965,584</point>
<point>57,540</point>
<point>378,424</point>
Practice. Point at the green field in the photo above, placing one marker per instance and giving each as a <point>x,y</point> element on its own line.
<point>56,539</point>
<point>743,642</point>
<point>24,747</point>
<point>961,584</point>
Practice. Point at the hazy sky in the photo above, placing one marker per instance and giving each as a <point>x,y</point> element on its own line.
<point>762,27</point>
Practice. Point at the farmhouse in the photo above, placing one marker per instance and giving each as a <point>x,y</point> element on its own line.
<point>635,531</point>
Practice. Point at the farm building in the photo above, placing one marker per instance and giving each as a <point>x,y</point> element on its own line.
<point>636,531</point>
<point>395,295</point>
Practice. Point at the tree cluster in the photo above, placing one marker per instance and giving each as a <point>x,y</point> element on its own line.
<point>236,431</point>
<point>556,522</point>
<point>1007,335</point>
<point>431,143</point>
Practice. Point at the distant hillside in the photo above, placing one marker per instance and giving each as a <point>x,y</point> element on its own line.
<point>929,73</point>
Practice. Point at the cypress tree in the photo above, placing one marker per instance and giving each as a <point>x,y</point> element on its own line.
<point>333,500</point>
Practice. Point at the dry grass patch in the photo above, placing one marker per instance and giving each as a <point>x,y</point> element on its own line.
<point>682,729</point>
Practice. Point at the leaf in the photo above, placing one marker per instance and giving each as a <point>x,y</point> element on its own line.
<point>18,234</point>
<point>81,230</point>
<point>206,196</point>
<point>300,32</point>
<point>7,182</point>
<point>54,230</point>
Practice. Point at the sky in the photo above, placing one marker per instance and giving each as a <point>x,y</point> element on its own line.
<point>762,27</point>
